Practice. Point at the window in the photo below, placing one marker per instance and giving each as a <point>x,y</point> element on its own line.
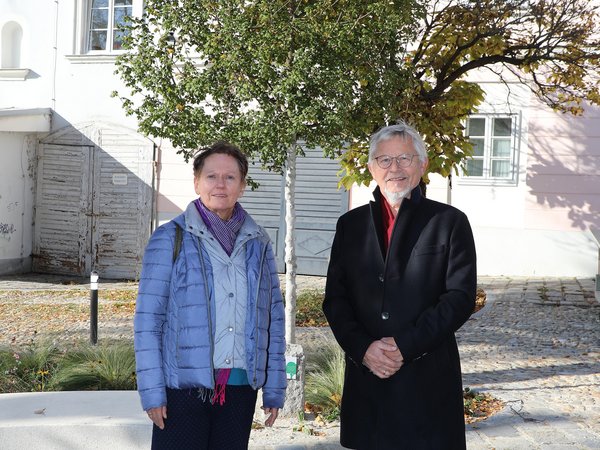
<point>493,139</point>
<point>100,27</point>
<point>106,24</point>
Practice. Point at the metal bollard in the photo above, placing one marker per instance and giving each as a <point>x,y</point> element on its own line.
<point>94,307</point>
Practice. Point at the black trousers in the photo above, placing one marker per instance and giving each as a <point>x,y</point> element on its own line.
<point>196,424</point>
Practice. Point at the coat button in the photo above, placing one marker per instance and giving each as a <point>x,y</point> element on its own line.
<point>381,277</point>
<point>385,315</point>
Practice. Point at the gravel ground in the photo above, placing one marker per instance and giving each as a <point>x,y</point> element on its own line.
<point>535,345</point>
<point>54,308</point>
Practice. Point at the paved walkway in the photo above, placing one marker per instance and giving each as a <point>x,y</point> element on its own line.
<point>535,345</point>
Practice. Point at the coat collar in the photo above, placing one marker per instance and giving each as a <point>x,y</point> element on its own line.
<point>191,221</point>
<point>405,213</point>
<point>415,197</point>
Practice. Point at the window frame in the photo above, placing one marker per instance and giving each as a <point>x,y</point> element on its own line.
<point>83,29</point>
<point>487,158</point>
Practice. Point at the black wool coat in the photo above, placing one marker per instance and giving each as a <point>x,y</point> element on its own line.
<point>420,293</point>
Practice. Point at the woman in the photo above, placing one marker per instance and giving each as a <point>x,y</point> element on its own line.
<point>209,320</point>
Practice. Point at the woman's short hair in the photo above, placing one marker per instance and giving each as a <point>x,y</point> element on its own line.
<point>403,130</point>
<point>223,148</point>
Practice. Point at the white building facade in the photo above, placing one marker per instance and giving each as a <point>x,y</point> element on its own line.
<point>81,189</point>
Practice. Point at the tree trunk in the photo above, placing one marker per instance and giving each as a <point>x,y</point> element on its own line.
<point>290,246</point>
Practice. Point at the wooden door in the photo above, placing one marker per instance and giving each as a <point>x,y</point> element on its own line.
<point>121,203</point>
<point>61,221</point>
<point>94,200</point>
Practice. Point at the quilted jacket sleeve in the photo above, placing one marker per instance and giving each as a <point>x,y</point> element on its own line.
<point>276,383</point>
<point>150,316</point>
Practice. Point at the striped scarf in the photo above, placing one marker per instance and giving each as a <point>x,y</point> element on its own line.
<point>225,231</point>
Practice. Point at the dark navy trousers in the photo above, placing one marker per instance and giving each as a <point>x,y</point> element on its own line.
<point>194,423</point>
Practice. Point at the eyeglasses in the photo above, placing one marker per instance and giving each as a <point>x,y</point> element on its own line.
<point>385,161</point>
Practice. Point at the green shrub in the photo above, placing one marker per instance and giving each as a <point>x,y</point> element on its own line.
<point>28,370</point>
<point>10,381</point>
<point>325,380</point>
<point>105,367</point>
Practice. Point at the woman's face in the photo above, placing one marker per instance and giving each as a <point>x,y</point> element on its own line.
<point>220,184</point>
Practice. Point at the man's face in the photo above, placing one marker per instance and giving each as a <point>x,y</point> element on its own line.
<point>396,182</point>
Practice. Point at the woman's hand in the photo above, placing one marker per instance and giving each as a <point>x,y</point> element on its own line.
<point>158,416</point>
<point>272,413</point>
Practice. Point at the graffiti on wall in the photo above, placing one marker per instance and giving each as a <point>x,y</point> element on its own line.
<point>7,229</point>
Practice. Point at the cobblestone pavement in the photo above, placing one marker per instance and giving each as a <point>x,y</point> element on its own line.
<point>535,345</point>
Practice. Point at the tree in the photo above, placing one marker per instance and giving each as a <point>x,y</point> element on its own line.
<point>552,46</point>
<point>269,75</point>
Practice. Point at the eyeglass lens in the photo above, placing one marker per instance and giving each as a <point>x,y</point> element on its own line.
<point>385,161</point>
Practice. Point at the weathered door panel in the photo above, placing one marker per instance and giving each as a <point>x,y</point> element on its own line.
<point>122,199</point>
<point>93,205</point>
<point>61,232</point>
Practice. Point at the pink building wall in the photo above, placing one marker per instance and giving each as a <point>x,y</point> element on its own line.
<point>175,184</point>
<point>563,170</point>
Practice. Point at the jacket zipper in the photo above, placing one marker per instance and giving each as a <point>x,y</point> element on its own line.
<point>207,295</point>
<point>262,259</point>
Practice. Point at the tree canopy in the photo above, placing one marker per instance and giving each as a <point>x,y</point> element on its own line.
<point>265,74</point>
<point>552,46</point>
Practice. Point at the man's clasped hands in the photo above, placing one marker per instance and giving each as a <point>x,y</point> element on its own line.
<point>383,357</point>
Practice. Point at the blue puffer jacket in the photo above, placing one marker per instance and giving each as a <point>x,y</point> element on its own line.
<point>175,314</point>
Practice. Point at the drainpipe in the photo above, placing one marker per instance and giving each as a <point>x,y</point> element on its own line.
<point>154,212</point>
<point>54,59</point>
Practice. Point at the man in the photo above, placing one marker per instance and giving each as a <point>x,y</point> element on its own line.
<point>401,280</point>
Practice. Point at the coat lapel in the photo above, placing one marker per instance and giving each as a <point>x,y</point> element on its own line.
<point>377,222</point>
